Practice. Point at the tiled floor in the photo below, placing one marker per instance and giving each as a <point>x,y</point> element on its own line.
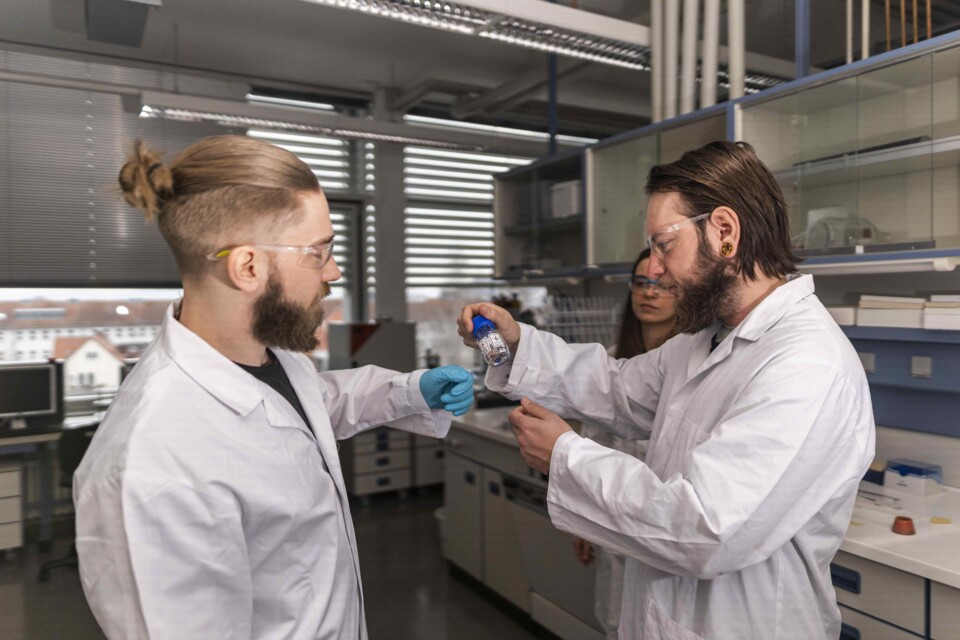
<point>409,592</point>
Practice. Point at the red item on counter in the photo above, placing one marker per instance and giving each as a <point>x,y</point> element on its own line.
<point>904,526</point>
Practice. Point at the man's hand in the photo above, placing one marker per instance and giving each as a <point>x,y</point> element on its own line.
<point>583,550</point>
<point>537,430</point>
<point>506,325</point>
<point>449,388</point>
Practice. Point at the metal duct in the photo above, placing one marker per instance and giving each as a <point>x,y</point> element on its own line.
<point>656,59</point>
<point>736,36</point>
<point>116,21</point>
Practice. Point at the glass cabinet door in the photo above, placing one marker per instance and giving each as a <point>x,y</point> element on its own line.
<point>946,148</point>
<point>894,161</point>
<point>617,175</point>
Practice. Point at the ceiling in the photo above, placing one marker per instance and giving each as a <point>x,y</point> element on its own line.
<point>336,51</point>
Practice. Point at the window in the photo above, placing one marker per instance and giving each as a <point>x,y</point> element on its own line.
<point>92,355</point>
<point>449,215</point>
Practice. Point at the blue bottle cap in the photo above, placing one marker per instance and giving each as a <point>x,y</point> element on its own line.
<point>478,323</point>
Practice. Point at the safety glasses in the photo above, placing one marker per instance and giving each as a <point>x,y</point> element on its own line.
<point>659,242</point>
<point>312,257</point>
<point>640,283</point>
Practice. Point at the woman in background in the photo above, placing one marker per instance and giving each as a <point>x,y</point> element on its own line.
<point>647,322</point>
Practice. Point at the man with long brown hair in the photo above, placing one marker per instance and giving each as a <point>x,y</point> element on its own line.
<point>759,418</point>
<point>211,503</point>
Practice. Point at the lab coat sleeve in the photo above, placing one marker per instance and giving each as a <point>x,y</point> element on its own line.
<point>583,382</point>
<point>367,397</point>
<point>795,444</point>
<point>190,576</point>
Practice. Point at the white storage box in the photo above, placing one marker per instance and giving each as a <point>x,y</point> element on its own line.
<point>565,199</point>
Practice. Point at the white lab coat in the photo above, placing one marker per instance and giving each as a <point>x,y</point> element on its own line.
<point>207,509</point>
<point>755,456</point>
<point>610,565</point>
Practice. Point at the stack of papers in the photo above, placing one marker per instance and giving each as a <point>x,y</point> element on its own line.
<point>890,311</point>
<point>942,311</point>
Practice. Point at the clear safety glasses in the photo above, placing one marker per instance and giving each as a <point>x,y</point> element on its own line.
<point>659,242</point>
<point>651,287</point>
<point>312,257</point>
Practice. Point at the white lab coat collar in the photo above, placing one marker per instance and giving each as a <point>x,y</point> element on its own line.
<point>764,315</point>
<point>209,368</point>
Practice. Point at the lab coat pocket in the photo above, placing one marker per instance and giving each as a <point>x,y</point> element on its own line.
<point>660,626</point>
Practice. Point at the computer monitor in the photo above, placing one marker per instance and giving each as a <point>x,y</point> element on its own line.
<point>31,390</point>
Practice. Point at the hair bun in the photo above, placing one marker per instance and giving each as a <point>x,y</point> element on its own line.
<point>146,183</point>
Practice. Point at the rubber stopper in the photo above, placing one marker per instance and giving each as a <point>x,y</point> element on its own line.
<point>904,526</point>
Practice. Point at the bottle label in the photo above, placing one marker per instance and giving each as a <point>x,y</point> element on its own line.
<point>492,346</point>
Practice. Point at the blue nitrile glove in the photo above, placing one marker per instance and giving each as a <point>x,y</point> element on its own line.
<point>449,388</point>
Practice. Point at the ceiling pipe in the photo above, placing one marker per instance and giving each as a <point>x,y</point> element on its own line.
<point>671,27</point>
<point>415,94</point>
<point>688,87</point>
<point>711,44</point>
<point>865,29</point>
<point>656,59</point>
<point>736,37</point>
<point>515,91</point>
<point>849,31</point>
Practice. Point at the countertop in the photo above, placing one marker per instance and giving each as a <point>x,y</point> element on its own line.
<point>933,553</point>
<point>488,423</point>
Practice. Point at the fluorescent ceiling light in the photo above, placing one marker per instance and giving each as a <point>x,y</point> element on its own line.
<point>536,24</point>
<point>290,102</point>
<point>506,131</point>
<point>301,122</point>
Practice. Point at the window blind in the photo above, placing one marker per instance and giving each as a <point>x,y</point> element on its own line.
<point>449,228</point>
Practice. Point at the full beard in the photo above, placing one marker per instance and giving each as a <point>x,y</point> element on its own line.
<point>280,323</point>
<point>708,296</point>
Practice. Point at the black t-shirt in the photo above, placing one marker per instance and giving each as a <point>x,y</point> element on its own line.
<point>273,374</point>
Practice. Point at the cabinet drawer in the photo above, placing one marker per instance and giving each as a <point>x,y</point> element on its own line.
<point>380,436</point>
<point>11,535</point>
<point>857,626</point>
<point>881,591</point>
<point>376,462</point>
<point>377,482</point>
<point>944,612</point>
<point>9,483</point>
<point>10,509</point>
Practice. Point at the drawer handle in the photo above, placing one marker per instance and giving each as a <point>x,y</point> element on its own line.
<point>848,632</point>
<point>469,477</point>
<point>383,446</point>
<point>384,481</point>
<point>438,453</point>
<point>494,488</point>
<point>383,461</point>
<point>383,435</point>
<point>846,579</point>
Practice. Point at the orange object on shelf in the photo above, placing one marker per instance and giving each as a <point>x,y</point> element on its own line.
<point>904,526</point>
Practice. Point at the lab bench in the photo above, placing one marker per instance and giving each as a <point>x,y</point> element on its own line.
<point>888,586</point>
<point>498,531</point>
<point>895,586</point>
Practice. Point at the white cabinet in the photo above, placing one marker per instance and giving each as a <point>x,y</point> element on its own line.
<point>462,502</point>
<point>944,612</point>
<point>880,591</point>
<point>376,461</point>
<point>503,568</point>
<point>428,456</point>
<point>11,516</point>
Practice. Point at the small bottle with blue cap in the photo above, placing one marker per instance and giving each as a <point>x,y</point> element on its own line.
<point>493,347</point>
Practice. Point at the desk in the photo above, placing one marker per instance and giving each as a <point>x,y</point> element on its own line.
<point>39,441</point>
